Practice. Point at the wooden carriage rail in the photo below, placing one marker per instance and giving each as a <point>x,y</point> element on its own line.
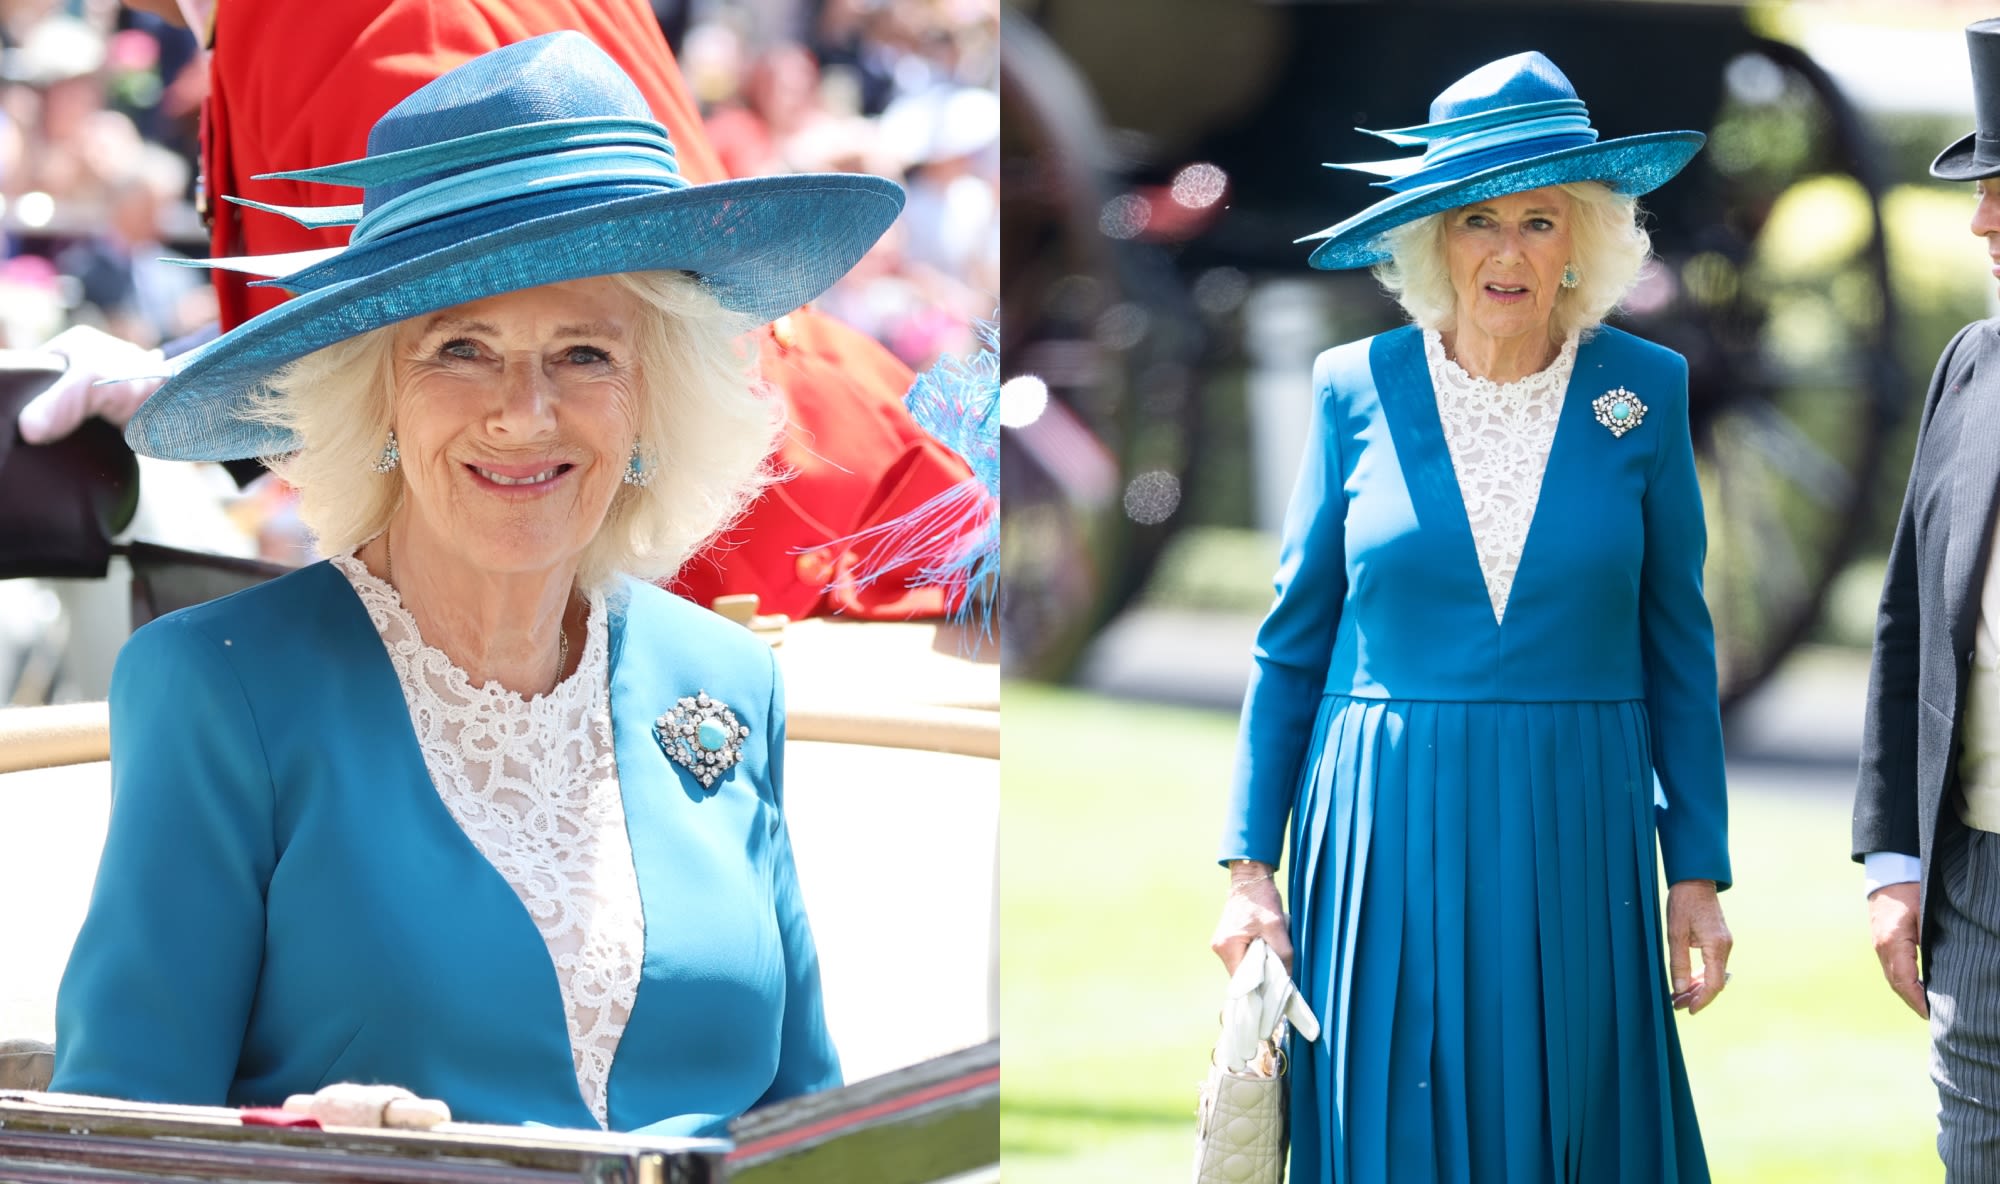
<point>62,1139</point>
<point>79,733</point>
<point>938,1121</point>
<point>48,737</point>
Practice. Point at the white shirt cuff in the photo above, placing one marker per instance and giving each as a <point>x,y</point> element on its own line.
<point>1880,869</point>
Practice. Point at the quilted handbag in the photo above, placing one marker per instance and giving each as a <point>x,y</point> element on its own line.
<point>1240,1127</point>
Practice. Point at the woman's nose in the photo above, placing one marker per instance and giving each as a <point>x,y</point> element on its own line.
<point>527,400</point>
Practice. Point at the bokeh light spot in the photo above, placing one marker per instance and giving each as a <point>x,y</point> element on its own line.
<point>1125,216</point>
<point>1199,186</point>
<point>1152,497</point>
<point>1022,401</point>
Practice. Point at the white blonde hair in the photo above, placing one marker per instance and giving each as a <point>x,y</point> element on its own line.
<point>706,424</point>
<point>1608,246</point>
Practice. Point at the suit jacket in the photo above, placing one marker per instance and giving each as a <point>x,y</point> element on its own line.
<point>285,901</point>
<point>1930,604</point>
<point>1380,593</point>
<point>858,457</point>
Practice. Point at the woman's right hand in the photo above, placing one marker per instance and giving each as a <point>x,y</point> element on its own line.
<point>1253,910</point>
<point>350,1103</point>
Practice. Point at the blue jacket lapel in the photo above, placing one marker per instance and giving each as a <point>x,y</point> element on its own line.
<point>1409,404</point>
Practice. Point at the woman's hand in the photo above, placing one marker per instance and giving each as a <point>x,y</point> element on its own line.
<point>1694,921</point>
<point>1253,910</point>
<point>348,1103</point>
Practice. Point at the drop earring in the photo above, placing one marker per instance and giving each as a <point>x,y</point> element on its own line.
<point>390,458</point>
<point>1570,278</point>
<point>637,471</point>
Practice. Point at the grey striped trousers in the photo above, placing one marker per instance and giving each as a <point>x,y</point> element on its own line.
<point>1964,990</point>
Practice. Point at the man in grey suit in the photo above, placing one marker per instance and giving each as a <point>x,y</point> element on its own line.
<point>1927,810</point>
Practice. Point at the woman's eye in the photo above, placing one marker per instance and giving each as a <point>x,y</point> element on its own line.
<point>461,349</point>
<point>1542,224</point>
<point>585,355</point>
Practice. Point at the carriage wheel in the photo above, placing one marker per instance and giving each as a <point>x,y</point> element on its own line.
<point>1781,304</point>
<point>1092,485</point>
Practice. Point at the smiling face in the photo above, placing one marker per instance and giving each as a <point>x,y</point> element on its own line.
<point>1506,258</point>
<point>515,418</point>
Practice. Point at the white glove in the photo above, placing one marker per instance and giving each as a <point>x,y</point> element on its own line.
<point>92,355</point>
<point>348,1103</point>
<point>1260,994</point>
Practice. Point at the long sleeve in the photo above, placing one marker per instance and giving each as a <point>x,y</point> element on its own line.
<point>807,1060</point>
<point>1677,642</point>
<point>158,990</point>
<point>1885,797</point>
<point>1294,643</point>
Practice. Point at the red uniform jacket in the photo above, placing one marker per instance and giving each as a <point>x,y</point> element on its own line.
<point>297,83</point>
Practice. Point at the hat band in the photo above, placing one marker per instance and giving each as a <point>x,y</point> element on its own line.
<point>1523,131</point>
<point>573,169</point>
<point>1500,154</point>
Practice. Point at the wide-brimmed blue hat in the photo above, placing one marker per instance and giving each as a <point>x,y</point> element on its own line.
<point>1509,126</point>
<point>533,164</point>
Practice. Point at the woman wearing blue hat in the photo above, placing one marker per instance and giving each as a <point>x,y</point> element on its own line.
<point>1488,680</point>
<point>468,810</point>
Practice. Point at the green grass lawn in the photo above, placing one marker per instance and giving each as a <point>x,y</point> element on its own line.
<point>1808,1070</point>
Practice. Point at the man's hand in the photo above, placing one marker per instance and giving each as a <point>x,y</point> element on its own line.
<point>91,355</point>
<point>1892,922</point>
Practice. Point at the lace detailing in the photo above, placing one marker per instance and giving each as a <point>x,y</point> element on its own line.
<point>1499,436</point>
<point>533,782</point>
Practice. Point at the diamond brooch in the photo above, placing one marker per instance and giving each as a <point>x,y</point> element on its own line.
<point>702,735</point>
<point>1620,410</point>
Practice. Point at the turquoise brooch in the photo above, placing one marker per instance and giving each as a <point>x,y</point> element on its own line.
<point>1620,410</point>
<point>702,735</point>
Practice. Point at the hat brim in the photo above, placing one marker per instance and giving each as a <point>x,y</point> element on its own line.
<point>1631,165</point>
<point>1960,163</point>
<point>762,246</point>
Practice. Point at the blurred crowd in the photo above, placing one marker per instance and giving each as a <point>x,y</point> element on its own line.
<point>99,109</point>
<point>903,88</point>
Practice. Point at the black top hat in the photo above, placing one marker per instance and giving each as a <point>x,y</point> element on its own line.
<point>1978,155</point>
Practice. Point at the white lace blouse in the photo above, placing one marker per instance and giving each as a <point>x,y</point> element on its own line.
<point>533,782</point>
<point>1499,436</point>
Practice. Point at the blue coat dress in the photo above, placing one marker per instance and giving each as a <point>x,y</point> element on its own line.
<point>1474,805</point>
<point>285,901</point>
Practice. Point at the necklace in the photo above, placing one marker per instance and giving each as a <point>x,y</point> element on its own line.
<point>562,633</point>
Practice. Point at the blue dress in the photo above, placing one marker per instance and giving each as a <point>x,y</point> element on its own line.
<point>1475,806</point>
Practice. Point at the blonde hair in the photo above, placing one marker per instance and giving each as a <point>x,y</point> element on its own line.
<point>706,424</point>
<point>1608,246</point>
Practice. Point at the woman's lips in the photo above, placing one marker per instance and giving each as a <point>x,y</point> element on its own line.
<point>1506,293</point>
<point>519,479</point>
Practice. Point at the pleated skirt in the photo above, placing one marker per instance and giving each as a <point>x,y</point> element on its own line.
<point>1476,909</point>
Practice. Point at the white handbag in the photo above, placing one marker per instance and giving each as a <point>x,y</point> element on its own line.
<point>1240,1129</point>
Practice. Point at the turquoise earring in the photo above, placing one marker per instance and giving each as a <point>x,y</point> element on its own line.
<point>637,471</point>
<point>1570,278</point>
